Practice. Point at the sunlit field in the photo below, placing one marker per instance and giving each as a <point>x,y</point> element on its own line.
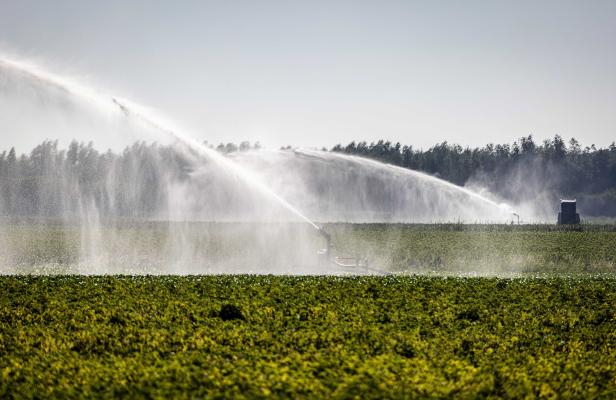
<point>197,248</point>
<point>539,321</point>
<point>317,337</point>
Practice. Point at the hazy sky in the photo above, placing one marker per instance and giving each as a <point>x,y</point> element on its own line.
<point>318,73</point>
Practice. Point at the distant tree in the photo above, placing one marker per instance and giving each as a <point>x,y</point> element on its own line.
<point>350,148</point>
<point>527,145</point>
<point>230,148</point>
<point>11,158</point>
<point>245,146</point>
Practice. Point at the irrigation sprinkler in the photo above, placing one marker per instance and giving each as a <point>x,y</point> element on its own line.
<point>347,264</point>
<point>516,215</point>
<point>328,243</point>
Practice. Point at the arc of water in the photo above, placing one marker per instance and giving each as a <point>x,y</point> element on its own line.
<point>136,112</point>
<point>140,113</point>
<point>403,171</point>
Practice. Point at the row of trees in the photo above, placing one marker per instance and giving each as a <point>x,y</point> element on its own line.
<point>517,171</point>
<point>232,147</point>
<point>55,182</point>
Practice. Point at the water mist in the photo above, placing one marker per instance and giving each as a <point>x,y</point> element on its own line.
<point>180,207</point>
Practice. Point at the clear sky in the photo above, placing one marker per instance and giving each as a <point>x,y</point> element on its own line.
<point>317,73</point>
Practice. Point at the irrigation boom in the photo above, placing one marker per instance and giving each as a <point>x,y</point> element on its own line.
<point>349,264</point>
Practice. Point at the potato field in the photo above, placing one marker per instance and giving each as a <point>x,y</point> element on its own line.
<point>307,337</point>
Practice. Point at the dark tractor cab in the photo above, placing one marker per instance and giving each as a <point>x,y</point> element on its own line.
<point>568,214</point>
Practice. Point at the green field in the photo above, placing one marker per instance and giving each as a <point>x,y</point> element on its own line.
<point>472,311</point>
<point>483,250</point>
<point>198,248</point>
<point>317,337</point>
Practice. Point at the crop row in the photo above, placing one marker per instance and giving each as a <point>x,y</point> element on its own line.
<point>258,336</point>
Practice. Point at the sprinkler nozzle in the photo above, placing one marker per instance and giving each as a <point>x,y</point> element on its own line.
<point>328,241</point>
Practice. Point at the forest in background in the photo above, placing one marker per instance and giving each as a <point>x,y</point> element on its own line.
<point>50,181</point>
<point>53,182</point>
<point>521,171</point>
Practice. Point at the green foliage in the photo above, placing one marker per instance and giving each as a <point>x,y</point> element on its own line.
<point>317,337</point>
<point>502,250</point>
<point>442,249</point>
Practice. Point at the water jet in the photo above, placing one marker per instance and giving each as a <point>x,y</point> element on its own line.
<point>327,187</point>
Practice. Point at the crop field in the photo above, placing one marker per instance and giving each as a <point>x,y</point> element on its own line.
<point>311,337</point>
<point>472,311</point>
<point>197,248</point>
<point>492,250</point>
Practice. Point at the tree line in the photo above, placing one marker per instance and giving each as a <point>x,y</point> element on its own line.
<point>54,182</point>
<point>517,171</point>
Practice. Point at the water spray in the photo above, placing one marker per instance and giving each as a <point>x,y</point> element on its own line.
<point>328,243</point>
<point>112,106</point>
<point>140,114</point>
<point>351,265</point>
<point>404,172</point>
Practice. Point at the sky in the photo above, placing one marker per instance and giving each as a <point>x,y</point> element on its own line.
<point>317,73</point>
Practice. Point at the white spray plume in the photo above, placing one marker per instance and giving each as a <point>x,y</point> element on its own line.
<point>109,103</point>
